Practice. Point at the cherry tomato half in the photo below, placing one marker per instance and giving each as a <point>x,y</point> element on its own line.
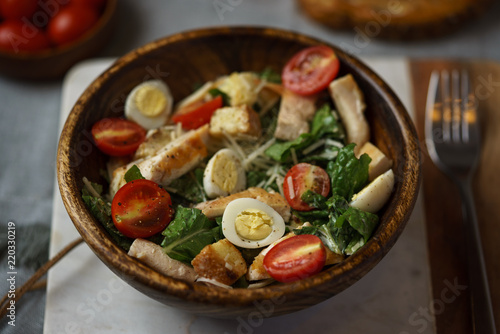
<point>310,70</point>
<point>303,177</point>
<point>18,9</point>
<point>199,115</point>
<point>117,136</point>
<point>141,208</point>
<point>70,23</point>
<point>13,37</point>
<point>295,258</point>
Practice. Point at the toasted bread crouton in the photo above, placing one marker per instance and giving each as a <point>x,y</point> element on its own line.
<point>240,122</point>
<point>153,255</point>
<point>216,207</point>
<point>220,261</point>
<point>379,164</point>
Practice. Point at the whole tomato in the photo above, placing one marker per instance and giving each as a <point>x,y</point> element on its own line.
<point>17,9</point>
<point>70,23</point>
<point>16,36</point>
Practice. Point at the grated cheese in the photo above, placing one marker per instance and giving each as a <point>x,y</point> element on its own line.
<point>90,188</point>
<point>313,147</point>
<point>335,143</point>
<point>214,282</point>
<point>289,182</point>
<point>258,152</point>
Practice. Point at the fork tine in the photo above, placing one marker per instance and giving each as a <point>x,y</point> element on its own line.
<point>456,96</point>
<point>447,106</point>
<point>470,126</point>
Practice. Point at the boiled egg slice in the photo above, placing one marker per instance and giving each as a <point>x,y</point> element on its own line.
<point>250,223</point>
<point>373,197</point>
<point>224,174</point>
<point>149,104</point>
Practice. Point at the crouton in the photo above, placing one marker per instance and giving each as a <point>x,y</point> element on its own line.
<point>241,87</point>
<point>379,164</point>
<point>220,261</point>
<point>240,122</point>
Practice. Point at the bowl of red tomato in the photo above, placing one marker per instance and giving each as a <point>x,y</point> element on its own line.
<point>243,165</point>
<point>43,39</point>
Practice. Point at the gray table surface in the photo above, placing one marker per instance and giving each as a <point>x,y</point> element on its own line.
<point>29,110</point>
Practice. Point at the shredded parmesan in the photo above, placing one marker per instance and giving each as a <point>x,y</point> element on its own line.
<point>289,182</point>
<point>213,282</point>
<point>231,143</point>
<point>335,143</point>
<point>259,151</point>
<point>314,146</point>
<point>90,188</point>
<point>261,284</point>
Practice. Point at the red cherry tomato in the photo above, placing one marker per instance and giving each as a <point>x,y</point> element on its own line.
<point>141,208</point>
<point>18,9</point>
<point>199,115</point>
<point>97,4</point>
<point>15,37</point>
<point>295,258</point>
<point>303,177</point>
<point>310,70</point>
<point>70,23</point>
<point>117,136</point>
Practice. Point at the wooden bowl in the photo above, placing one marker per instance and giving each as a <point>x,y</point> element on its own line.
<point>53,63</point>
<point>183,60</point>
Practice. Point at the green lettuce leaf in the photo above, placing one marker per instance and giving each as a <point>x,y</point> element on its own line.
<point>324,125</point>
<point>101,210</point>
<point>343,229</point>
<point>133,173</point>
<point>348,174</point>
<point>226,100</point>
<point>188,233</point>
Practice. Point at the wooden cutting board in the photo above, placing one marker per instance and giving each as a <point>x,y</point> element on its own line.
<point>395,19</point>
<point>443,205</point>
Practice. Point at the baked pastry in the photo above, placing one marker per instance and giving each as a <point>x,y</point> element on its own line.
<point>395,19</point>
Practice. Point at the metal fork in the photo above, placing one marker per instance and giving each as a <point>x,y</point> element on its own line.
<point>453,141</point>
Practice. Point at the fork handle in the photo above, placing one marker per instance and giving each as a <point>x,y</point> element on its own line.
<point>482,311</point>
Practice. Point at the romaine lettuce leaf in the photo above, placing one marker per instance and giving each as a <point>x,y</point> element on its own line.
<point>348,174</point>
<point>133,173</point>
<point>343,229</point>
<point>188,233</point>
<point>324,125</point>
<point>101,210</point>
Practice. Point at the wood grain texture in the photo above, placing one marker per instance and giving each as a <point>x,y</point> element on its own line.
<point>396,20</point>
<point>188,58</point>
<point>55,62</point>
<point>442,201</point>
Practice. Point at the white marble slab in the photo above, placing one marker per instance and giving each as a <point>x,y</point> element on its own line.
<point>84,296</point>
